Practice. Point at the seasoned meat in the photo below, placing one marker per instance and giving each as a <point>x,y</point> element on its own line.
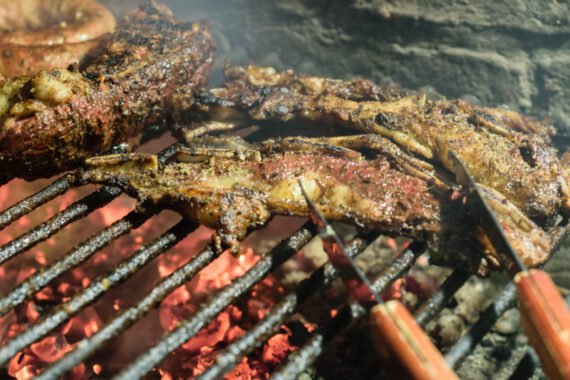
<point>42,35</point>
<point>55,119</point>
<point>502,149</point>
<point>235,195</point>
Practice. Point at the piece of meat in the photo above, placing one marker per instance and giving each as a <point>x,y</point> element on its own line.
<point>502,149</point>
<point>52,121</point>
<point>42,35</point>
<point>255,78</point>
<point>235,195</point>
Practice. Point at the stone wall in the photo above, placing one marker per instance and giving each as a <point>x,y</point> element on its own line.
<point>514,53</point>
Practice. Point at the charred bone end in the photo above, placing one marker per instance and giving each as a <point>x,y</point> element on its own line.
<point>111,168</point>
<point>124,162</point>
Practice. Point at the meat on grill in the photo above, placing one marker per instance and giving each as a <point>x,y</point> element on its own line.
<point>237,190</point>
<point>502,149</point>
<point>42,35</point>
<point>52,121</point>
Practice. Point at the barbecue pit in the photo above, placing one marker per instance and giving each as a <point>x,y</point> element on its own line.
<point>303,354</point>
<point>299,359</point>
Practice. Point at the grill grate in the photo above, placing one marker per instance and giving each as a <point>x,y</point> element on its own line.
<point>294,365</point>
<point>301,359</point>
<point>323,276</point>
<point>77,256</point>
<point>74,212</point>
<point>503,302</point>
<point>430,309</point>
<point>218,303</point>
<point>31,203</point>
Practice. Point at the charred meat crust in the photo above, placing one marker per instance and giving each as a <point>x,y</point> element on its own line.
<point>503,149</point>
<point>234,196</point>
<point>52,121</point>
<point>42,35</point>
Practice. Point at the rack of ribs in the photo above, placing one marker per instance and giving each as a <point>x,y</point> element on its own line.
<point>502,149</point>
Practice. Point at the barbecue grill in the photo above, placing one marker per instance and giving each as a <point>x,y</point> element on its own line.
<point>308,349</point>
<point>295,364</point>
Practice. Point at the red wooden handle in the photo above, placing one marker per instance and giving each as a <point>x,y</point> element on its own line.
<point>546,321</point>
<point>404,347</point>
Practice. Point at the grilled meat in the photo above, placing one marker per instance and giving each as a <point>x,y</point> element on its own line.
<point>502,149</point>
<point>239,189</point>
<point>55,119</point>
<point>41,35</point>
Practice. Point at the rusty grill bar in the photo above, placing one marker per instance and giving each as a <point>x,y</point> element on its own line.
<point>40,279</point>
<point>296,363</point>
<point>323,276</point>
<point>306,355</point>
<point>74,212</point>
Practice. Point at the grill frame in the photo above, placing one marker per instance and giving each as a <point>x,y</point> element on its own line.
<point>294,365</point>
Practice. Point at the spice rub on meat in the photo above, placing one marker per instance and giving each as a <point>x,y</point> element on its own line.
<point>52,121</point>
<point>503,150</point>
<point>42,35</point>
<point>238,190</point>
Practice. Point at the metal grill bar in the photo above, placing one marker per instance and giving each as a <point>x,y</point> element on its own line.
<point>96,289</point>
<point>400,266</point>
<point>43,196</point>
<point>466,344</point>
<point>41,278</point>
<point>265,328</point>
<point>429,309</point>
<point>527,366</point>
<point>187,329</point>
<point>74,212</point>
<point>302,358</point>
<point>36,200</point>
<point>168,284</point>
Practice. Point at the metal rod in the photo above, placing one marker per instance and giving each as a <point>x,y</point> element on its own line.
<point>187,329</point>
<point>34,201</point>
<point>96,289</point>
<point>166,286</point>
<point>265,328</point>
<point>302,358</point>
<point>85,250</point>
<point>253,338</point>
<point>433,306</point>
<point>43,196</point>
<point>57,188</point>
<point>527,366</point>
<point>48,228</point>
<point>505,301</point>
<point>399,266</point>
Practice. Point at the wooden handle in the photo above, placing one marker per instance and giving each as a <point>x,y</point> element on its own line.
<point>404,347</point>
<point>546,321</point>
